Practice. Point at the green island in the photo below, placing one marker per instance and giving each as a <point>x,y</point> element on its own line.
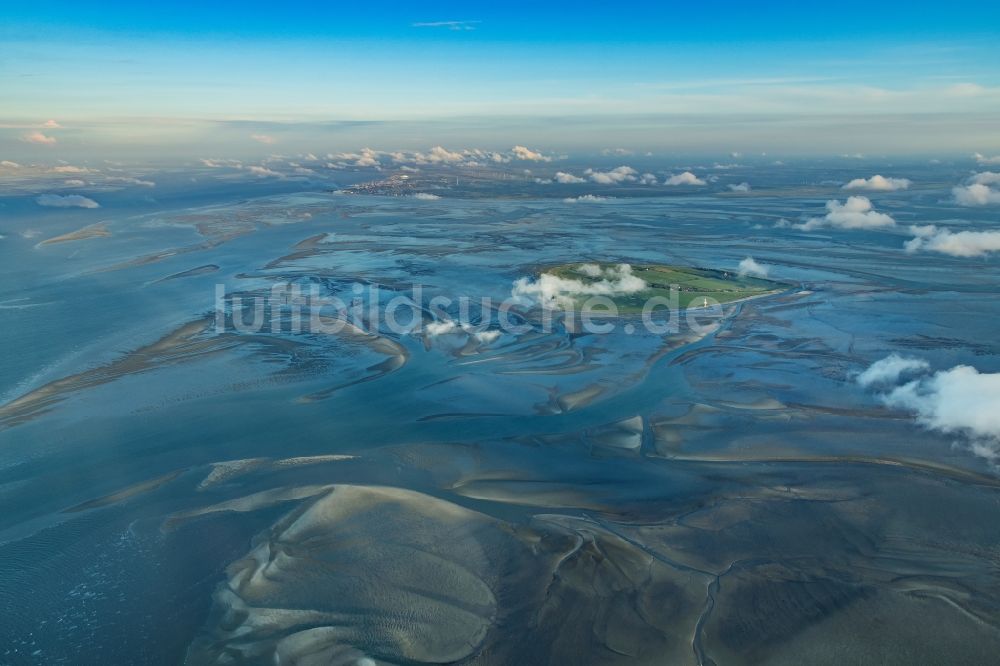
<point>694,285</point>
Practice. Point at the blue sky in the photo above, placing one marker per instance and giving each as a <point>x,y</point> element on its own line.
<point>129,73</point>
<point>534,22</point>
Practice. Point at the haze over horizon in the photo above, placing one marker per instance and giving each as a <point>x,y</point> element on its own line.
<point>892,79</point>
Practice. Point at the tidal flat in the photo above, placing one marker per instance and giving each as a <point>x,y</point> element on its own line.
<point>178,488</point>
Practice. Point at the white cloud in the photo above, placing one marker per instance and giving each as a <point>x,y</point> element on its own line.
<point>263,138</point>
<point>438,155</point>
<point>66,168</point>
<point>10,165</point>
<point>68,201</point>
<point>74,183</point>
<point>263,172</point>
<point>878,183</point>
<point>365,158</point>
<point>130,181</point>
<point>426,196</point>
<point>588,198</point>
<point>219,164</point>
<point>567,178</point>
<point>647,179</point>
<point>890,369</point>
<point>447,327</point>
<point>51,124</point>
<point>930,238</point>
<point>39,138</point>
<point>976,194</point>
<point>552,290</point>
<point>749,266</point>
<point>686,178</point>
<point>487,336</point>
<point>441,154</point>
<point>855,213</point>
<point>983,159</point>
<point>368,158</point>
<point>986,178</point>
<point>619,152</point>
<point>617,175</point>
<point>742,187</point>
<point>522,153</point>
<point>443,327</point>
<point>959,401</point>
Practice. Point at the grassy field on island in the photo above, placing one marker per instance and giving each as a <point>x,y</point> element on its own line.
<point>694,285</point>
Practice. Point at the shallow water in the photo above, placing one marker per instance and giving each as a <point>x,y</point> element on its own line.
<point>730,496</point>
